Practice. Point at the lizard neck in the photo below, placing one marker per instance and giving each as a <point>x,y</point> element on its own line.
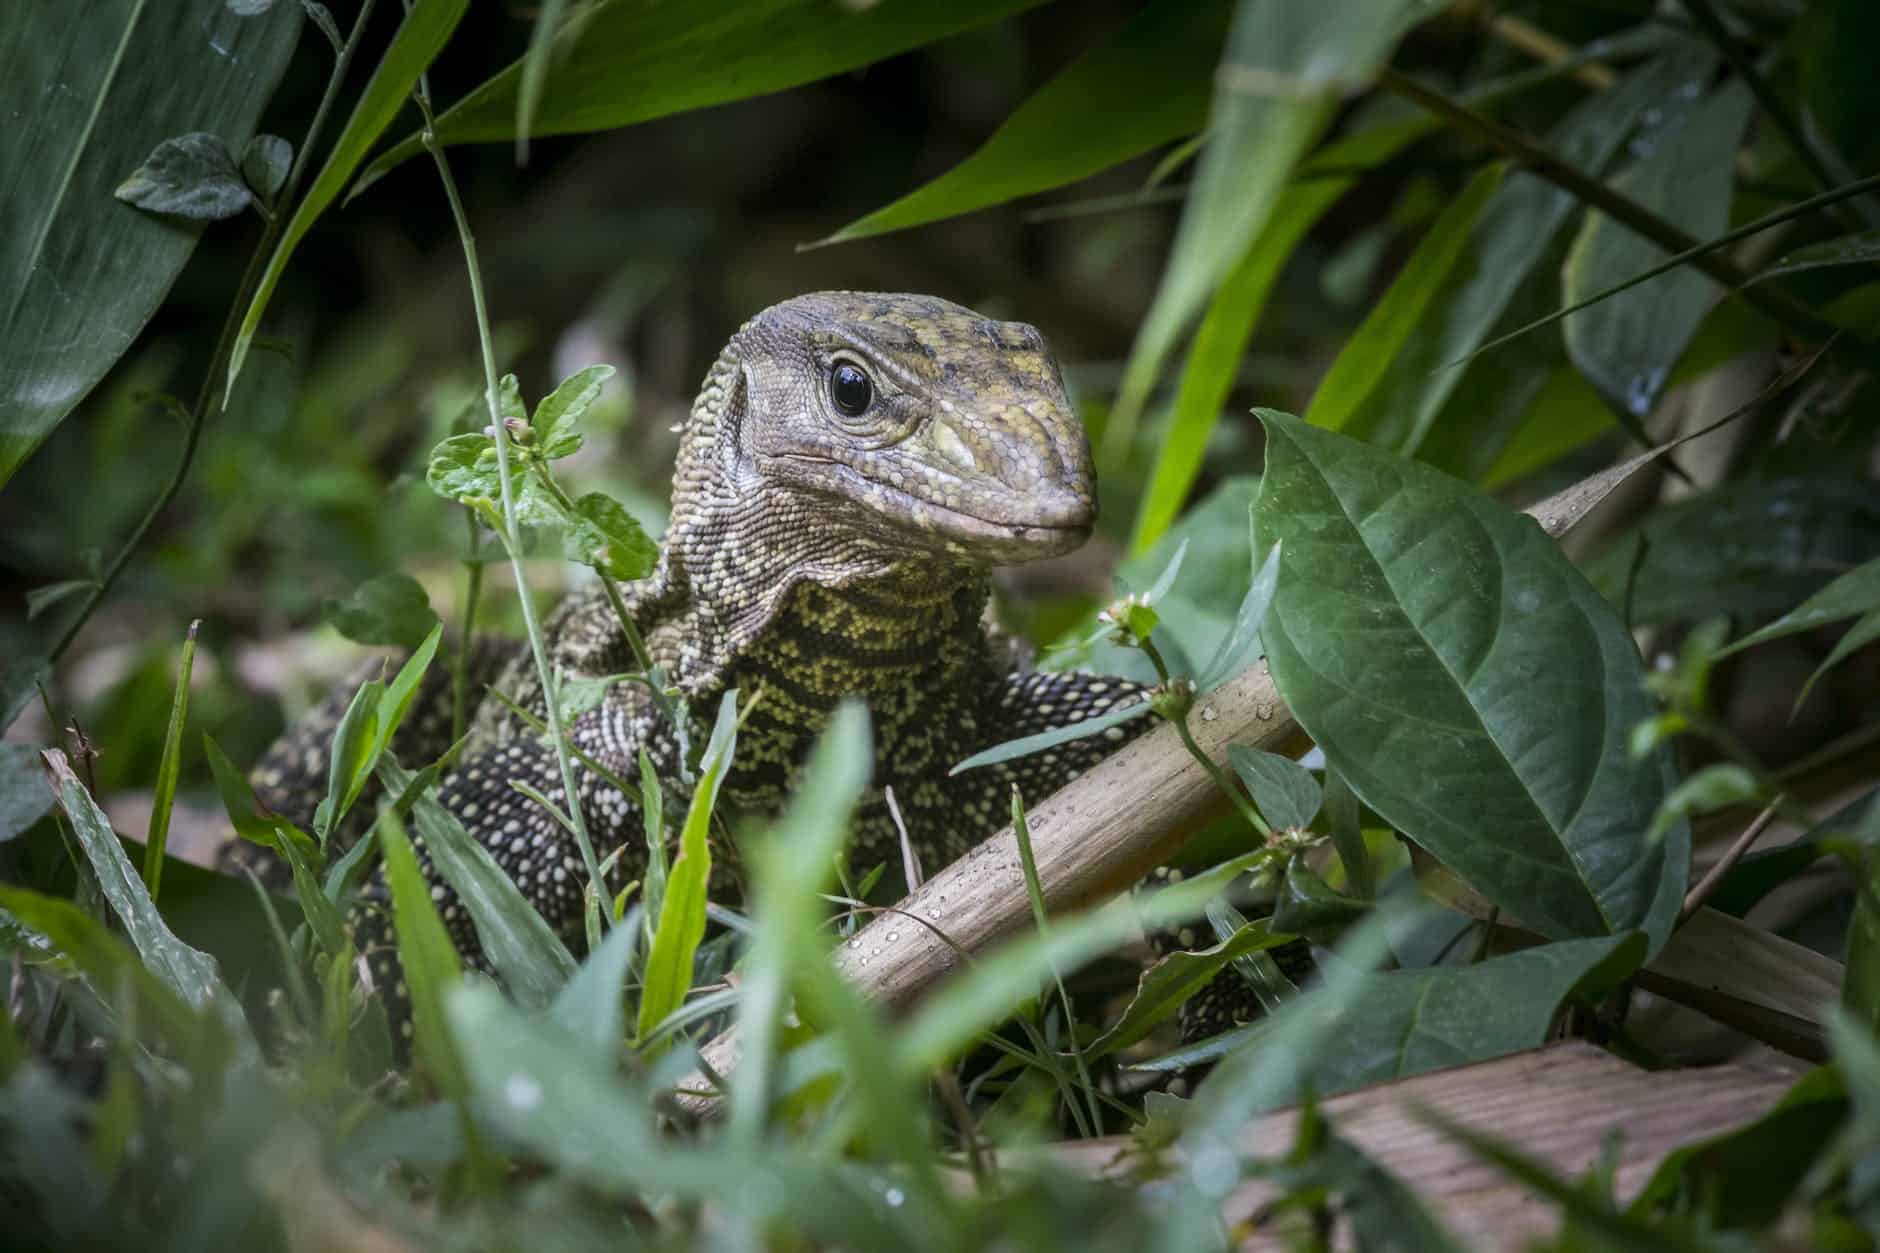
<point>912,649</point>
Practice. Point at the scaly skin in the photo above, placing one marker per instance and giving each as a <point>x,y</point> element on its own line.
<point>814,555</point>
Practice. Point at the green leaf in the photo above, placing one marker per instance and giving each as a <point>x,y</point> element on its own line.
<point>589,1006</point>
<point>1145,85</point>
<point>1307,905</point>
<point>1717,786</point>
<point>189,176</point>
<point>168,765</point>
<point>1467,682</point>
<point>628,62</point>
<point>1283,791</point>
<point>1407,1022</point>
<point>524,950</point>
<point>681,922</point>
<point>427,25</point>
<point>1173,979</point>
<point>80,273</point>
<point>535,67</point>
<point>1783,537</point>
<point>1244,635</point>
<point>99,955</point>
<point>188,972</point>
<point>1400,313</point>
<point>389,609</point>
<point>349,763</point>
<point>426,956</point>
<point>601,533</point>
<point>463,468</point>
<point>1853,593</point>
<point>1503,279</point>
<point>1221,342</point>
<point>1864,632</point>
<point>44,597</point>
<point>25,795</point>
<point>1285,67</point>
<point>1860,248</point>
<point>1383,1211</point>
<point>1342,815</point>
<point>265,165</point>
<point>1627,345</point>
<point>793,866</point>
<point>1025,746</point>
<point>245,813</point>
<point>555,418</point>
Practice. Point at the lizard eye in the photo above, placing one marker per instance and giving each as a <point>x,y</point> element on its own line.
<point>850,389</point>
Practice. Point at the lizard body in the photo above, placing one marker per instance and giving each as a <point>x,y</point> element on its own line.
<point>853,467</point>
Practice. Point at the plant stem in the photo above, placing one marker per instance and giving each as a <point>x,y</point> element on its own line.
<point>472,592</point>
<point>1544,165</point>
<point>1694,900</point>
<point>508,535</point>
<point>1220,777</point>
<point>218,359</point>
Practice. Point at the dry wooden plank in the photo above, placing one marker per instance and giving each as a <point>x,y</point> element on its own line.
<point>1557,1104</point>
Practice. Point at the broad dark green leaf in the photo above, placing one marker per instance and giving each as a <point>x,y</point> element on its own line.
<point>1283,791</point>
<point>25,796</point>
<point>1757,546</point>
<point>189,972</point>
<point>1147,84</point>
<point>1400,313</point>
<point>681,922</point>
<point>89,97</point>
<point>530,958</point>
<point>389,609</point>
<point>1467,682</point>
<point>426,27</point>
<point>1285,67</point>
<point>188,176</point>
<point>1503,268</point>
<point>630,61</point>
<point>1627,345</point>
<point>1173,979</point>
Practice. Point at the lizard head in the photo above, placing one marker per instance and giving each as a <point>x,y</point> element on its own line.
<point>913,422</point>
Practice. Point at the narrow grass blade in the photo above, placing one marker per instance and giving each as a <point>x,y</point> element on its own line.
<point>159,834</point>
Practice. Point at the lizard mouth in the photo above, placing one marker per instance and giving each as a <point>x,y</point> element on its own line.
<point>1046,522</point>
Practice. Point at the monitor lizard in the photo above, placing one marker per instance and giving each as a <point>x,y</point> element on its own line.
<point>854,466</point>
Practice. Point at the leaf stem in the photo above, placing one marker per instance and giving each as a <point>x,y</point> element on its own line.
<point>508,534</point>
<point>1694,900</point>
<point>472,593</point>
<point>1220,777</point>
<point>218,359</point>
